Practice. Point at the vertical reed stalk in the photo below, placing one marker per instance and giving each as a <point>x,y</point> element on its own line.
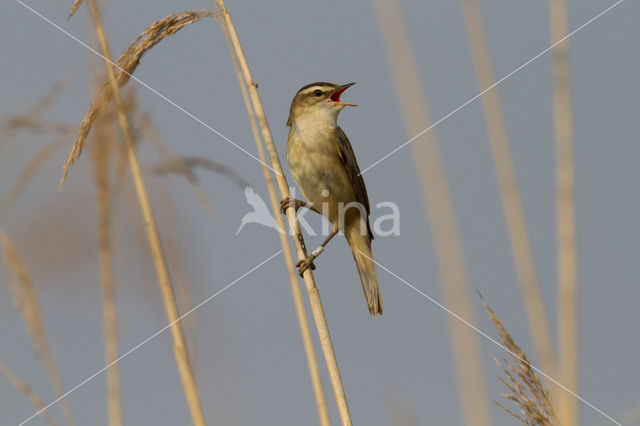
<point>567,303</point>
<point>511,203</point>
<point>303,321</point>
<point>453,279</point>
<point>182,358</point>
<point>101,155</point>
<point>312,290</point>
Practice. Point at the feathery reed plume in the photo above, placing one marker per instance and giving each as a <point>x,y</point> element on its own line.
<point>28,173</point>
<point>23,387</point>
<point>125,67</point>
<point>525,388</point>
<point>150,37</point>
<point>294,226</point>
<point>28,305</point>
<point>303,321</point>
<point>185,166</point>
<point>104,136</point>
<point>567,296</point>
<point>441,215</point>
<point>511,203</point>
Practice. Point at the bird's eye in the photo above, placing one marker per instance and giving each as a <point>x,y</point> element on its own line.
<point>318,92</point>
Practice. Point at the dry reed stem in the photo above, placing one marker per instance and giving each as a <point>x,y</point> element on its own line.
<point>161,29</point>
<point>104,136</point>
<point>466,349</point>
<point>294,226</point>
<point>511,202</point>
<point>26,300</point>
<point>23,387</point>
<point>567,303</point>
<point>303,321</point>
<point>524,385</point>
<point>130,101</point>
<point>126,66</point>
<point>28,173</point>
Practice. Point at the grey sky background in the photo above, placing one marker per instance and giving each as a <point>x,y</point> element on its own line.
<point>251,368</point>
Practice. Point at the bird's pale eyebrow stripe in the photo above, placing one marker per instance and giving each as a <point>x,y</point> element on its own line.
<point>313,89</point>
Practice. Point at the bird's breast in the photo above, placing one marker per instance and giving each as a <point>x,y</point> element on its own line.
<point>316,167</point>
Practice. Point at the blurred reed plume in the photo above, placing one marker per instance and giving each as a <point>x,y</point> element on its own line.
<point>526,391</point>
<point>30,120</point>
<point>511,201</point>
<point>453,276</point>
<point>28,172</point>
<point>26,300</point>
<point>186,166</point>
<point>125,67</point>
<point>23,387</point>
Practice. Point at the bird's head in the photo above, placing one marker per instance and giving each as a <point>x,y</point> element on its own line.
<point>321,100</point>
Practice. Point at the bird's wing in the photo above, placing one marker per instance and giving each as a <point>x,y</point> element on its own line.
<point>353,171</point>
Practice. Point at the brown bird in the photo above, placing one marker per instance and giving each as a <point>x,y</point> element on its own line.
<point>324,166</point>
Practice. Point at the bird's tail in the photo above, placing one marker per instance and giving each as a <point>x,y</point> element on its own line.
<point>367,271</point>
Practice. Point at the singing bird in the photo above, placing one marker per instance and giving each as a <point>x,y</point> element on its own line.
<point>324,166</point>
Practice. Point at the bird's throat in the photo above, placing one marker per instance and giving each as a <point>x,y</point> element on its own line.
<point>315,124</point>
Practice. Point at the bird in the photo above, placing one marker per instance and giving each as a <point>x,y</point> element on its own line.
<point>324,167</point>
<point>260,213</point>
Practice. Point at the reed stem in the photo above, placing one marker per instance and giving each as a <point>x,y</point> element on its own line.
<point>511,202</point>
<point>101,156</point>
<point>567,298</point>
<point>298,302</point>
<point>453,278</point>
<point>281,180</point>
<point>180,348</point>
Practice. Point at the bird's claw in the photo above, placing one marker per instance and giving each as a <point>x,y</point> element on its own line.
<point>291,202</point>
<point>305,264</point>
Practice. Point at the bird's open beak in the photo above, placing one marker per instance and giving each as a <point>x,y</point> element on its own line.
<point>335,96</point>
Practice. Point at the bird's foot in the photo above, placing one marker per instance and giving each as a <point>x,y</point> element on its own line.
<point>307,263</point>
<point>291,202</point>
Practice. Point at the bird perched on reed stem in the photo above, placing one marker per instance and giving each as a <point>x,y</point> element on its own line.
<point>324,166</point>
